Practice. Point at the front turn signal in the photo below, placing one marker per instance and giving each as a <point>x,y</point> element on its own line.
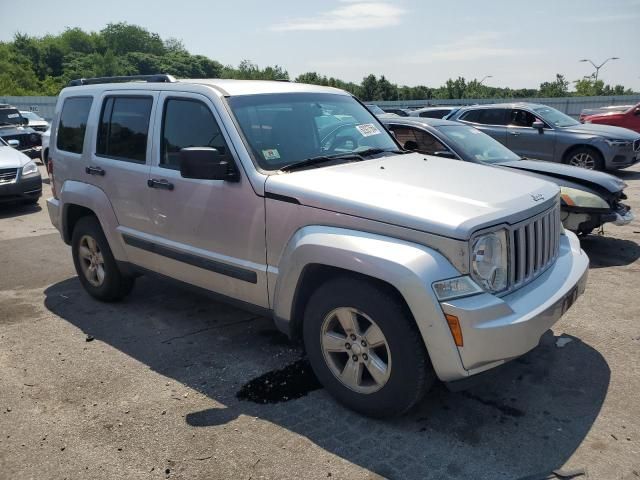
<point>456,331</point>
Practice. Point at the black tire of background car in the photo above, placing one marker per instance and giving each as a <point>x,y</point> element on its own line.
<point>116,286</point>
<point>411,372</point>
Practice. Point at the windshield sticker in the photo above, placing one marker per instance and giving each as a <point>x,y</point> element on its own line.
<point>368,129</point>
<point>271,154</point>
<point>13,115</point>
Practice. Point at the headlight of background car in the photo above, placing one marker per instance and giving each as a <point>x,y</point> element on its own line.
<point>29,169</point>
<point>489,261</point>
<point>579,198</point>
<point>617,143</point>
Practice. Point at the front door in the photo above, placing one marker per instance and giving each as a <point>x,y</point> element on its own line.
<point>209,233</point>
<point>527,141</point>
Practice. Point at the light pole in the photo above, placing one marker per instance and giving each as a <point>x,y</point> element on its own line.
<point>485,77</point>
<point>598,67</point>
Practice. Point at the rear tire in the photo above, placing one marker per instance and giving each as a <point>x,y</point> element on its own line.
<point>96,268</point>
<point>392,371</point>
<point>585,157</point>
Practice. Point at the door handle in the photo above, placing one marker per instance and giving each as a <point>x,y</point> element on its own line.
<point>162,184</point>
<point>515,134</point>
<point>95,171</point>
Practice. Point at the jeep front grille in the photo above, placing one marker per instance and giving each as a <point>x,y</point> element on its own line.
<point>8,175</point>
<point>533,246</point>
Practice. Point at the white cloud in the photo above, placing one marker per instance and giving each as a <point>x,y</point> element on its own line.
<point>471,47</point>
<point>355,15</point>
<point>622,17</point>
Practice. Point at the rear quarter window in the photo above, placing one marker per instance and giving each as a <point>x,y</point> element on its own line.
<point>124,128</point>
<point>73,124</point>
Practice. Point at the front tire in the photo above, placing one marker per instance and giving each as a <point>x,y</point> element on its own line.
<point>585,157</point>
<point>365,348</point>
<point>96,268</point>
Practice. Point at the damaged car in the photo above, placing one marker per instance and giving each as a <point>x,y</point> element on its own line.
<point>589,199</point>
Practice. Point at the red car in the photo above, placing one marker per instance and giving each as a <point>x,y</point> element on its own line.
<point>629,118</point>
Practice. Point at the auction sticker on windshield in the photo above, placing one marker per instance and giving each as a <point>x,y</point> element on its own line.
<point>368,129</point>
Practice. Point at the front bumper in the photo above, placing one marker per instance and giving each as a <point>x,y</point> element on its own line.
<point>21,189</point>
<point>497,329</point>
<point>621,158</point>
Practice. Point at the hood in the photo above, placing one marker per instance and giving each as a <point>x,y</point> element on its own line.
<point>567,172</point>
<point>607,131</point>
<point>12,158</point>
<point>430,194</point>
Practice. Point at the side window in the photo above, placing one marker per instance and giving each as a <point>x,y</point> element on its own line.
<point>429,144</point>
<point>493,116</point>
<point>124,127</point>
<point>187,123</point>
<point>73,124</point>
<point>403,134</point>
<point>522,118</point>
<point>471,116</point>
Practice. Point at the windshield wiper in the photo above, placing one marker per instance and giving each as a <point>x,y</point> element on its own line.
<point>353,156</point>
<point>321,159</point>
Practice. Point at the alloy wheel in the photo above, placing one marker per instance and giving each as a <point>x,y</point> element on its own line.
<point>583,160</point>
<point>355,350</point>
<point>91,260</point>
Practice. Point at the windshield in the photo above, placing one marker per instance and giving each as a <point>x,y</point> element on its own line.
<point>282,129</point>
<point>555,117</point>
<point>476,144</point>
<point>31,116</point>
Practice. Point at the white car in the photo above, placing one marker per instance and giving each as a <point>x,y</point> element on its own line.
<point>19,176</point>
<point>36,122</point>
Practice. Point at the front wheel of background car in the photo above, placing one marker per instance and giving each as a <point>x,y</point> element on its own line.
<point>365,347</point>
<point>96,268</point>
<point>585,157</point>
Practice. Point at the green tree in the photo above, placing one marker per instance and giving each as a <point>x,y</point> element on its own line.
<point>557,88</point>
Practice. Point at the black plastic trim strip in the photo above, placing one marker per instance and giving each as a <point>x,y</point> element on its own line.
<point>204,263</point>
<point>281,198</point>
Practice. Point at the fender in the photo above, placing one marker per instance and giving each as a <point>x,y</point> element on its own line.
<point>410,268</point>
<point>93,198</point>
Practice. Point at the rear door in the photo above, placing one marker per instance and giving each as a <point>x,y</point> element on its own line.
<point>491,120</point>
<point>120,160</point>
<point>527,141</point>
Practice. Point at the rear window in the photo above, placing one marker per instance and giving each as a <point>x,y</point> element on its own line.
<point>73,124</point>
<point>434,113</point>
<point>124,128</point>
<point>10,116</point>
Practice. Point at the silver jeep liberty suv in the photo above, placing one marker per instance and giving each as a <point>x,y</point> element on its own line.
<point>394,268</point>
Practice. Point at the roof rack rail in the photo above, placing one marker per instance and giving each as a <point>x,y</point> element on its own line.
<point>158,78</point>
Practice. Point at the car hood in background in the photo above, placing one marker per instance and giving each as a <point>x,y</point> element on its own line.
<point>608,131</point>
<point>425,193</point>
<point>574,174</point>
<point>12,158</point>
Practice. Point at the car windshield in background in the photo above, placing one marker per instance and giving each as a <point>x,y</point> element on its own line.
<point>31,116</point>
<point>376,110</point>
<point>283,129</point>
<point>555,117</point>
<point>477,144</point>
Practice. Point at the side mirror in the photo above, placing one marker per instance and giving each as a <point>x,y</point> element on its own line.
<point>637,112</point>
<point>25,121</point>
<point>206,163</point>
<point>411,145</point>
<point>445,154</point>
<point>13,143</point>
<point>538,125</point>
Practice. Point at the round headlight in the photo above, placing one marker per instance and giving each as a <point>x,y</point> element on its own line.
<point>489,261</point>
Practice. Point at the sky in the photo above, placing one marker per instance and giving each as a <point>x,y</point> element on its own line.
<point>412,42</point>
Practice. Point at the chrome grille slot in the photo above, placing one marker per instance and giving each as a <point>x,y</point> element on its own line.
<point>8,175</point>
<point>534,246</point>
